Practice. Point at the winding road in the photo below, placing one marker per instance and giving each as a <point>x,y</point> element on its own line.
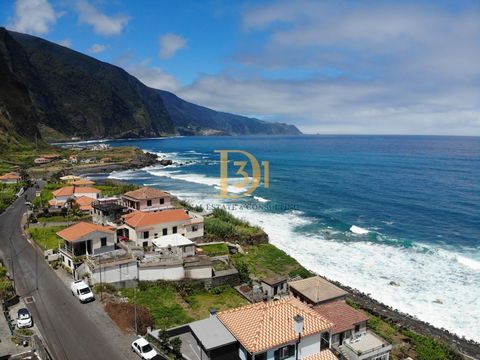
<point>68,331</point>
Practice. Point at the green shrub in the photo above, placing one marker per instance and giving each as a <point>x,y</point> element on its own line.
<point>428,348</point>
<point>302,272</point>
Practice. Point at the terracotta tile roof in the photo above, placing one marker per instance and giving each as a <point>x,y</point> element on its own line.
<point>71,190</point>
<point>86,189</point>
<point>82,182</point>
<point>262,326</point>
<point>10,176</point>
<point>84,202</point>
<point>82,229</point>
<point>64,191</point>
<point>146,193</point>
<point>341,314</point>
<point>322,355</point>
<point>317,289</point>
<point>140,219</point>
<point>55,202</point>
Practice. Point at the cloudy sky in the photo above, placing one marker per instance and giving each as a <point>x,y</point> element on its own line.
<point>366,67</point>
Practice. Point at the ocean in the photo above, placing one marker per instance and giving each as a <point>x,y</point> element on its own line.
<point>417,196</point>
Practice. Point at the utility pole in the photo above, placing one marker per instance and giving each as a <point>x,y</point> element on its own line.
<point>12,257</point>
<point>101,284</point>
<point>135,307</point>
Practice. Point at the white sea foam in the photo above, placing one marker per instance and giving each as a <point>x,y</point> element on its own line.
<point>358,230</point>
<point>260,199</point>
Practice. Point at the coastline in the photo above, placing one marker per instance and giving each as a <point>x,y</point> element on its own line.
<point>403,321</point>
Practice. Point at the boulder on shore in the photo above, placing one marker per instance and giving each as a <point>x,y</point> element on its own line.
<point>165,162</point>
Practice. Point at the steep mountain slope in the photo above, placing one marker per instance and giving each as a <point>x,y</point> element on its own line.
<point>61,93</point>
<point>194,119</point>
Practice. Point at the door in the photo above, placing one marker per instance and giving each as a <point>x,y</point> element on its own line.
<point>341,338</point>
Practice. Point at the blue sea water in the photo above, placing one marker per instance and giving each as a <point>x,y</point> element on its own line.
<point>418,196</point>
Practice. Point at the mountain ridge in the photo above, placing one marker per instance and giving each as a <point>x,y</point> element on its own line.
<point>65,94</point>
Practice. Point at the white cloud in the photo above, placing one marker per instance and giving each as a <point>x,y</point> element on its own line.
<point>330,106</point>
<point>33,16</point>
<point>65,42</point>
<point>170,44</point>
<point>152,76</point>
<point>102,24</point>
<point>97,48</point>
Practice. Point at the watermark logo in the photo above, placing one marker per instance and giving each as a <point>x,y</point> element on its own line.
<point>247,183</point>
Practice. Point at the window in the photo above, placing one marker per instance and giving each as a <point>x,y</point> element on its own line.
<point>149,202</point>
<point>284,352</point>
<point>146,234</point>
<point>194,227</point>
<point>103,241</point>
<point>162,201</point>
<point>175,230</point>
<point>164,231</point>
<point>145,244</point>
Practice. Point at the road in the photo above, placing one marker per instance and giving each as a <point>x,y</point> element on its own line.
<point>66,327</point>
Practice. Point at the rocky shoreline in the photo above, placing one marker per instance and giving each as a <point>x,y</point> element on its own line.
<point>144,160</point>
<point>468,348</point>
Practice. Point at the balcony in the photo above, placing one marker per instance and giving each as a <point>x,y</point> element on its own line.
<point>366,346</point>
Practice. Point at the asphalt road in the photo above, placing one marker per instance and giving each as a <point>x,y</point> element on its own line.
<point>68,331</point>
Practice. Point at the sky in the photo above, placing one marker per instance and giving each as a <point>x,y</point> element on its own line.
<point>329,67</point>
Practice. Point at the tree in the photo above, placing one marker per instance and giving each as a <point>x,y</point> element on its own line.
<point>243,271</point>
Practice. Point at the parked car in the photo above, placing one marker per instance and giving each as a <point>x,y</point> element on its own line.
<point>81,291</point>
<point>28,203</point>
<point>24,319</point>
<point>143,348</point>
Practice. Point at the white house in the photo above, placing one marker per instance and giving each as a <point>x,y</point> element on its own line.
<point>84,239</point>
<point>278,330</point>
<point>67,192</point>
<point>143,227</point>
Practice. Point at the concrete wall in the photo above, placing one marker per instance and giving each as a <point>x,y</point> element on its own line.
<point>116,273</point>
<point>79,193</point>
<point>309,345</point>
<point>199,273</point>
<point>191,233</point>
<point>153,273</point>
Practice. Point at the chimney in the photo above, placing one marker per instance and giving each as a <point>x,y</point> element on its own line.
<point>213,312</point>
<point>298,324</point>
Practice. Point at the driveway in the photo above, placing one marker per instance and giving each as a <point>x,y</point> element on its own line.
<point>71,331</point>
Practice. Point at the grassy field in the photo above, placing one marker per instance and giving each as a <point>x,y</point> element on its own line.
<point>224,226</point>
<point>46,237</point>
<point>266,260</point>
<point>112,188</point>
<point>61,218</point>
<point>7,194</point>
<point>173,304</point>
<point>215,249</point>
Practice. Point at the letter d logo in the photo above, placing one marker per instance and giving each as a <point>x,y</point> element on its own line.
<point>256,173</point>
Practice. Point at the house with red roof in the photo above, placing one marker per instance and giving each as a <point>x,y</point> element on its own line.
<point>143,227</point>
<point>283,329</point>
<point>348,321</point>
<point>85,239</point>
<point>10,178</point>
<point>147,199</point>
